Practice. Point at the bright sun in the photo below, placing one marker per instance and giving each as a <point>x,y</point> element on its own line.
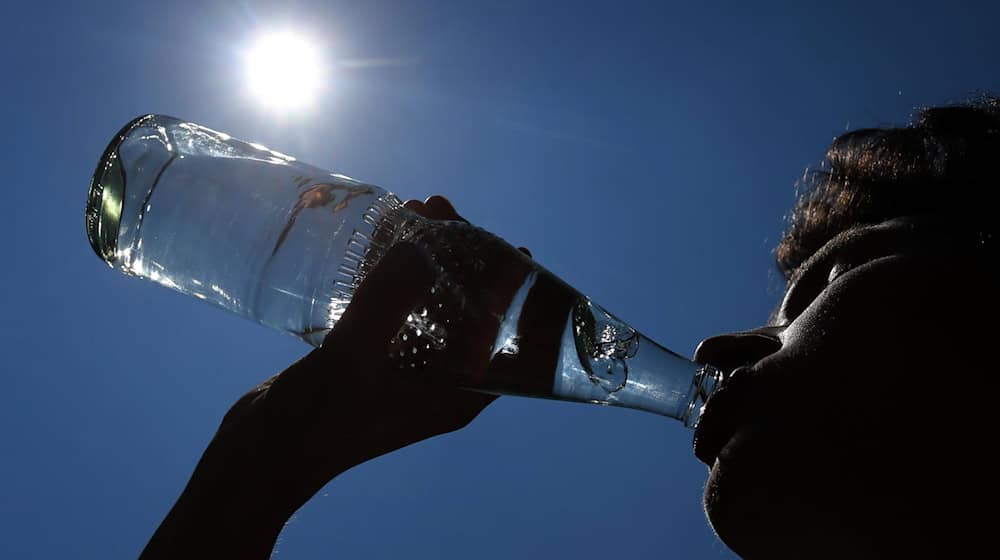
<point>284,70</point>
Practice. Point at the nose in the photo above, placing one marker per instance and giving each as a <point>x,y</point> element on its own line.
<point>730,351</point>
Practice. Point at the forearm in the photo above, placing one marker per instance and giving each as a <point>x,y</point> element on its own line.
<point>222,515</point>
<point>197,529</point>
<point>246,485</point>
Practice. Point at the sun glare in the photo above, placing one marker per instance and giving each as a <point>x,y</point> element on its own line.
<point>284,70</point>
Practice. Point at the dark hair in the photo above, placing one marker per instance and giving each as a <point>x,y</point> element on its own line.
<point>946,161</point>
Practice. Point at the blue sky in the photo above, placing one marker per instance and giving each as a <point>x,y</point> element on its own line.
<point>645,151</point>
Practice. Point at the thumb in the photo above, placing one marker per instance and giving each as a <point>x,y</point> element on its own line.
<point>390,291</point>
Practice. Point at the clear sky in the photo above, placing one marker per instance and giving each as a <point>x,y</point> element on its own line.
<point>645,151</point>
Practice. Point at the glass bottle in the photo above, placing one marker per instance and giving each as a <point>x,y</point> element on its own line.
<point>286,244</point>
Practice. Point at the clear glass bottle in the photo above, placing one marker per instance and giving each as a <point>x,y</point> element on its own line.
<point>258,233</point>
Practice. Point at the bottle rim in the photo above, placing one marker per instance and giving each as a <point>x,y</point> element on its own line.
<point>106,196</point>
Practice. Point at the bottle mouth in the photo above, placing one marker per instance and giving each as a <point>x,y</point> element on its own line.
<point>705,382</point>
<point>107,195</point>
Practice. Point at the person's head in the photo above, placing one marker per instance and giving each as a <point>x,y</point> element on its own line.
<point>853,424</point>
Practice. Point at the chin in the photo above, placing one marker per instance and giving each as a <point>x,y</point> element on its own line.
<point>762,503</point>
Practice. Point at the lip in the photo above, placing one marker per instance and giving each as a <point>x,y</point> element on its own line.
<point>724,414</point>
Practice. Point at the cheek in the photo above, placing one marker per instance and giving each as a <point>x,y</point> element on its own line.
<point>869,325</point>
<point>870,381</point>
<point>860,374</point>
<point>868,360</point>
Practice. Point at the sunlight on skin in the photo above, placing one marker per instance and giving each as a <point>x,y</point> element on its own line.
<point>284,70</point>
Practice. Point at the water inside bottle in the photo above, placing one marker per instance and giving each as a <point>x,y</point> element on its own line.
<point>233,224</point>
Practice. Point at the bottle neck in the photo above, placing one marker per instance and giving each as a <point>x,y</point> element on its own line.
<point>703,386</point>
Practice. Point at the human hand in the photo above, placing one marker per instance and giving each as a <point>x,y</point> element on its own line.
<point>343,404</point>
<point>479,276</point>
<point>437,207</point>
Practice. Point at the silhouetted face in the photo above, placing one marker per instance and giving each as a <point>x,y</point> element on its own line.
<point>850,420</point>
